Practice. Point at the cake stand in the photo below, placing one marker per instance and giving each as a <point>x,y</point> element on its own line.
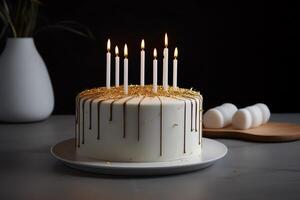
<point>212,151</point>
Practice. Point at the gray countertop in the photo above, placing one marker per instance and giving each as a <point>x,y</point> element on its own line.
<point>249,170</point>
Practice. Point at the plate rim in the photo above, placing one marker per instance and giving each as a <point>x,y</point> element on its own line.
<point>174,164</point>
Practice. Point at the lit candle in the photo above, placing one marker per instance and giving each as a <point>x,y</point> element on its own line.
<point>125,70</point>
<point>155,71</point>
<point>117,66</point>
<point>165,64</point>
<point>175,68</point>
<point>108,57</point>
<point>142,63</point>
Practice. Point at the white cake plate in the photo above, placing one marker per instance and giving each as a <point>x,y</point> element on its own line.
<point>212,151</point>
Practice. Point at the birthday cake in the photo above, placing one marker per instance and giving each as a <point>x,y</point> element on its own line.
<point>141,126</point>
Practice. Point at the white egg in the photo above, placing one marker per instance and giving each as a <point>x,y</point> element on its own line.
<point>256,114</point>
<point>225,114</point>
<point>230,110</point>
<point>242,119</point>
<point>230,106</point>
<point>220,116</point>
<point>213,118</point>
<point>265,111</point>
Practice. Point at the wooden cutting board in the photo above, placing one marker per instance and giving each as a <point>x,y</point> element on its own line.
<point>270,132</point>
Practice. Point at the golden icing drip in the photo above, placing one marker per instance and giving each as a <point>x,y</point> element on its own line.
<point>161,127</point>
<point>137,90</point>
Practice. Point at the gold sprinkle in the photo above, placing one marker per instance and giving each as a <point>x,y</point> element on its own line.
<point>137,90</point>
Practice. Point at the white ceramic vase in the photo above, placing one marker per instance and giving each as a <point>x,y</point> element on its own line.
<point>26,93</point>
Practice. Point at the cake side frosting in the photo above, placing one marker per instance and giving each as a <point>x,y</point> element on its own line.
<point>140,126</point>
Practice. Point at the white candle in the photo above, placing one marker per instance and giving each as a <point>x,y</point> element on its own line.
<point>165,64</point>
<point>175,68</point>
<point>125,70</point>
<point>155,71</point>
<point>108,57</point>
<point>142,63</point>
<point>117,67</point>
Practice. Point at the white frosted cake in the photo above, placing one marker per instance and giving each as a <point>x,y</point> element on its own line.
<point>138,127</point>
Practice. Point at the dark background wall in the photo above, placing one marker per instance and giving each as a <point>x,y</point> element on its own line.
<point>242,53</point>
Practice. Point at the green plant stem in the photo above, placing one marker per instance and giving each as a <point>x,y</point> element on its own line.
<point>21,18</point>
<point>6,14</point>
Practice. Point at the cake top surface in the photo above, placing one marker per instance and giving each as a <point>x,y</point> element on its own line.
<point>137,90</point>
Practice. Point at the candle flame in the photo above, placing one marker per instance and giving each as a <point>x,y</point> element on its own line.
<point>117,50</point>
<point>166,40</point>
<point>108,45</point>
<point>125,50</point>
<point>175,53</point>
<point>154,53</point>
<point>143,44</point>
